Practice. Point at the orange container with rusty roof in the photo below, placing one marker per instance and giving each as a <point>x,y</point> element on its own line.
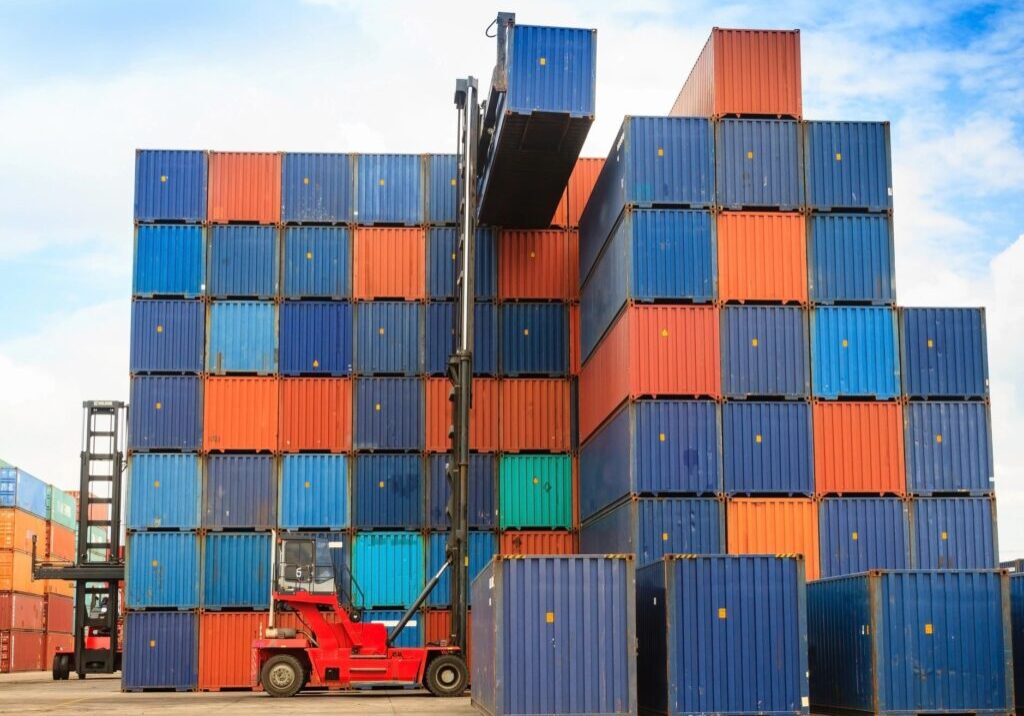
<point>17,528</point>
<point>483,417</point>
<point>537,542</point>
<point>858,448</point>
<point>244,187</point>
<point>389,263</point>
<point>577,192</point>
<point>762,256</point>
<point>784,525</point>
<point>536,415</point>
<point>744,73</point>
<point>240,413</point>
<point>16,573</point>
<point>651,351</point>
<point>540,264</point>
<point>315,414</point>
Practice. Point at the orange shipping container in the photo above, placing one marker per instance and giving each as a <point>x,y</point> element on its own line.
<point>541,542</point>
<point>657,351</point>
<point>240,414</point>
<point>577,192</point>
<point>538,265</point>
<point>61,542</point>
<point>389,263</point>
<point>756,525</point>
<point>762,256</point>
<point>16,573</point>
<point>437,629</point>
<point>483,417</point>
<point>60,587</point>
<point>744,72</point>
<point>244,186</point>
<point>316,414</point>
<point>225,648</point>
<point>858,449</point>
<point>17,528</point>
<point>535,415</point>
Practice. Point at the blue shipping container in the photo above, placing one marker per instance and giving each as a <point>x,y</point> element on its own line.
<point>317,262</point>
<point>764,352</point>
<point>854,353</point>
<point>482,505</point>
<point>170,260</point>
<point>945,352</point>
<point>949,448</point>
<point>316,338</point>
<point>442,189</point>
<point>851,259</point>
<point>899,642</point>
<point>243,337</point>
<point>758,164</point>
<point>161,651</point>
<point>314,492</point>
<point>768,448</point>
<point>439,337</point>
<point>388,414</point>
<point>954,533</point>
<point>534,339</point>
<point>849,165</point>
<point>236,571</point>
<point>243,262</point>
<point>482,546</point>
<point>722,635</point>
<point>387,568</point>
<point>166,414</point>
<point>164,491</point>
<point>22,490</point>
<point>162,569</point>
<point>388,492</point>
<point>442,263</point>
<point>412,633</point>
<point>858,534</point>
<point>170,185</point>
<point>389,189</point>
<point>388,337</point>
<point>1017,624</point>
<point>241,492</point>
<point>167,336</point>
<point>316,188</point>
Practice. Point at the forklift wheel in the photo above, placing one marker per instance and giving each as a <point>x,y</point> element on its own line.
<point>282,675</point>
<point>446,675</point>
<point>61,667</point>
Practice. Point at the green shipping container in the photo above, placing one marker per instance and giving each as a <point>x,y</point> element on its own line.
<point>60,507</point>
<point>535,491</point>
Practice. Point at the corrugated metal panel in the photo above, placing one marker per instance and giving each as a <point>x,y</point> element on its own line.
<point>551,69</point>
<point>653,255</point>
<point>167,336</point>
<point>389,189</point>
<point>439,337</point>
<point>316,338</point>
<point>22,651</point>
<point>538,264</point>
<point>537,543</point>
<point>775,526</point>
<point>483,415</point>
<point>317,262</point>
<point>442,262</point>
<point>170,185</point>
<point>481,547</point>
<point>854,353</point>
<point>61,508</point>
<point>536,414</point>
<point>388,337</point>
<point>851,258</point>
<point>949,448</point>
<point>543,645</point>
<point>316,414</point>
<point>574,339</point>
<point>243,262</point>
<point>16,573</point>
<point>236,571</point>
<point>22,490</point>
<point>954,532</point>
<point>767,448</point>
<point>388,414</point>
<point>706,646</point>
<point>442,191</point>
<point>744,72</point>
<point>240,414</point>
<point>245,186</point>
<point>60,615</point>
<point>241,492</point>
<point>758,163</point>
<point>764,352</point>
<point>166,414</point>
<point>577,192</point>
<point>161,570</point>
<point>858,449</point>
<point>388,568</point>
<point>316,188</point>
<point>482,503</point>
<point>61,541</point>
<point>164,491</point>
<point>534,339</point>
<point>762,256</point>
<point>389,263</point>
<point>169,261</point>
<point>945,352</point>
<point>412,633</point>
<point>225,647</point>
<point>535,491</point>
<point>911,642</point>
<point>160,651</point>
<point>17,530</point>
<point>314,492</point>
<point>654,161</point>
<point>243,337</point>
<point>387,492</point>
<point>849,165</point>
<point>859,534</point>
<point>21,611</point>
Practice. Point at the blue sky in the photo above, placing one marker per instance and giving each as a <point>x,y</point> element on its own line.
<point>82,84</point>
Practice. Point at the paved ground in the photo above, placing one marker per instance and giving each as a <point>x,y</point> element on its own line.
<point>36,693</point>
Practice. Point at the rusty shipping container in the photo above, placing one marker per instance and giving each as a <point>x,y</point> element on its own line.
<point>389,263</point>
<point>316,414</point>
<point>60,613</point>
<point>577,192</point>
<point>483,417</point>
<point>437,630</point>
<point>540,264</point>
<point>536,414</point>
<point>244,186</point>
<point>22,651</point>
<point>762,256</point>
<point>858,449</point>
<point>21,611</point>
<point>537,543</point>
<point>240,414</point>
<point>758,525</point>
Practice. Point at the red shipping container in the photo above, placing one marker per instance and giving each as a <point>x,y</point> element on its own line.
<point>244,186</point>
<point>483,417</point>
<point>60,614</point>
<point>63,643</point>
<point>17,528</point>
<point>537,543</point>
<point>744,72</point>
<point>21,611</point>
<point>535,415</point>
<point>858,449</point>
<point>389,263</point>
<point>657,351</point>
<point>437,629</point>
<point>762,256</point>
<point>22,651</point>
<point>784,525</point>
<point>240,414</point>
<point>61,542</point>
<point>316,414</point>
<point>577,192</point>
<point>538,265</point>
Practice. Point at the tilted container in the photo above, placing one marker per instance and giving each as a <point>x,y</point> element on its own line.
<point>316,337</point>
<point>858,534</point>
<point>534,339</point>
<point>775,525</point>
<point>164,491</point>
<point>535,491</point>
<point>439,338</point>
<point>22,490</point>
<point>388,414</point>
<point>170,185</point>
<point>241,413</point>
<point>389,189</point>
<point>244,186</point>
<point>765,352</point>
<point>243,262</point>
<point>481,547</point>
<point>442,262</point>
<point>242,337</point>
<point>240,492</point>
<point>577,192</point>
<point>161,570</point>
<point>167,336</point>
<point>388,492</point>
<point>316,188</point>
<point>762,256</point>
<point>538,264</point>
<point>316,414</point>
<point>314,492</point>
<point>161,651</point>
<point>849,165</point>
<point>944,352</point>
<point>483,415</point>
<point>317,262</point>
<point>854,353</point>
<point>858,448</point>
<point>167,413</point>
<point>759,164</point>
<point>389,336</point>
<point>387,568</point>
<point>767,448</point>
<point>482,503</point>
<point>442,189</point>
<point>169,260</point>
<point>535,414</point>
<point>949,448</point>
<point>236,571</point>
<point>851,258</point>
<point>954,533</point>
<point>389,263</point>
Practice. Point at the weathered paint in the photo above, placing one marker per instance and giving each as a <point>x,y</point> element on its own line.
<point>945,352</point>
<point>167,336</point>
<point>775,525</point>
<point>388,414</point>
<point>759,164</point>
<point>389,263</point>
<point>389,189</point>
<point>244,186</point>
<point>236,571</point>
<point>535,414</point>
<point>317,262</point>
<point>166,414</point>
<point>161,651</point>
<point>765,352</point>
<point>851,258</point>
<point>534,339</point>
<point>314,492</point>
<point>316,337</point>
<point>762,256</point>
<point>442,189</point>
<point>22,490</point>
<point>859,534</point>
<point>858,448</point>
<point>316,414</point>
<point>767,448</point>
<point>241,413</point>
<point>316,188</point>
<point>535,491</point>
<point>483,415</point>
<point>164,491</point>
<point>849,165</point>
<point>481,499</point>
<point>954,533</point>
<point>949,448</point>
<point>242,337</point>
<point>240,492</point>
<point>539,264</point>
<point>388,337</point>
<point>243,262</point>
<point>161,570</point>
<point>388,492</point>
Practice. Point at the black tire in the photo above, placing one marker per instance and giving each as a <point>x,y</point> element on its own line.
<point>61,667</point>
<point>282,675</point>
<point>446,675</point>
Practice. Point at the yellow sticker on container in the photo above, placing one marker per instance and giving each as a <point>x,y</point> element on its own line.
<point>453,255</point>
<point>526,331</point>
<point>549,617</point>
<point>664,536</point>
<point>305,180</point>
<point>753,342</point>
<point>661,437</point>
<point>154,563</point>
<point>854,536</point>
<point>453,182</point>
<point>938,438</point>
<point>758,439</point>
<point>306,484</point>
<point>159,329</point>
<point>465,560</point>
<point>846,343</point>
<point>931,343</point>
<point>316,363</point>
<point>381,330</point>
<point>929,629</point>
<point>380,484</point>
<point>377,407</point>
<point>152,643</point>
<point>309,255</point>
<point>750,155</point>
<point>661,151</point>
<point>543,61</point>
<point>536,481</point>
<point>159,406</point>
<point>722,613</point>
<point>163,178</point>
<point>945,536</point>
<point>664,333</point>
<point>381,182</point>
<point>156,484</point>
<point>839,156</point>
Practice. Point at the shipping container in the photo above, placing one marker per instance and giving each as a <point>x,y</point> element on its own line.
<point>316,338</point>
<point>22,611</point>
<point>169,260</point>
<point>437,629</point>
<point>316,414</point>
<point>538,542</point>
<point>758,164</point>
<point>225,648</point>
<point>854,353</point>
<point>57,643</point>
<point>849,165</point>
<point>536,414</point>
<point>243,337</point>
<point>331,572</point>
<point>744,72</point>
<point>954,533</point>
<point>899,642</point>
<point>61,508</point>
<point>534,339</point>
<point>22,490</point>
<point>535,491</point>
<point>858,449</point>
<point>389,189</point>
<point>236,571</point>
<point>482,504</point>
<point>317,262</point>
<point>574,339</point>
<point>388,492</point>
<point>412,633</point>
<point>442,189</point>
<point>18,528</point>
<point>240,414</point>
<point>389,414</point>
<point>164,491</point>
<point>244,187</point>
<point>706,646</point>
<point>389,263</point>
<point>243,262</point>
<point>22,651</point>
<point>60,614</point>
<point>653,255</point>
<point>577,192</point>
<point>483,415</point>
<point>949,448</point>
<point>170,185</point>
<point>539,264</point>
<point>544,645</point>
<point>1017,630</point>
<point>16,573</point>
<point>161,651</point>
<point>762,256</point>
<point>388,337</point>
<point>162,570</point>
<point>166,414</point>
<point>61,542</point>
<point>481,547</point>
<point>314,492</point>
<point>764,352</point>
<point>775,525</point>
<point>654,161</point>
<point>851,258</point>
<point>859,534</point>
<point>442,262</point>
<point>944,352</point>
<point>240,492</point>
<point>387,568</point>
<point>651,527</point>
<point>439,338</point>
<point>768,448</point>
<point>316,188</point>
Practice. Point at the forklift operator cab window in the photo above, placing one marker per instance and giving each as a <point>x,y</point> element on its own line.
<point>313,566</point>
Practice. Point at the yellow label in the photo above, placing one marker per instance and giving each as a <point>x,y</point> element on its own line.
<point>846,343</point>
<point>750,155</point>
<point>526,331</point>
<point>152,643</point>
<point>381,182</point>
<point>305,180</point>
<point>753,342</point>
<point>661,437</point>
<point>664,333</point>
<point>380,484</point>
<point>154,563</point>
<point>465,560</point>
<point>156,484</point>
<point>159,329</point>
<point>661,152</point>
<point>839,156</point>
<point>945,536</point>
<point>758,439</point>
<point>377,407</point>
<point>309,255</point>
<point>543,61</point>
<point>453,255</point>
<point>381,330</point>
<point>664,536</point>
<point>306,484</point>
<point>931,343</point>
<point>536,481</point>
<point>929,629</point>
<point>549,617</point>
<point>159,406</point>
<point>721,613</point>
<point>938,439</point>
<point>453,182</point>
<point>855,536</point>
<point>316,363</point>
<point>163,178</point>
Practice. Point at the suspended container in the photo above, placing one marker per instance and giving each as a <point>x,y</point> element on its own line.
<point>849,166</point>
<point>439,338</point>
<point>387,568</point>
<point>389,263</point>
<point>389,189</point>
<point>240,492</point>
<point>170,185</point>
<point>316,188</point>
<point>245,187</point>
<point>859,534</point>
<point>316,414</point>
<point>388,337</point>
<point>442,189</point>
<point>388,492</point>
<point>316,338</point>
<point>22,490</point>
<point>169,261</point>
<point>483,415</point>
<point>167,336</point>
<point>764,352</point>
<point>851,259</point>
<point>242,338</point>
<point>317,262</point>
<point>775,525</point>
<point>236,571</point>
<point>536,415</point>
<point>762,257</point>
<point>161,651</point>
<point>854,353</point>
<point>482,504</point>
<point>944,352</point>
<point>314,492</point>
<point>767,448</point>
<point>535,491</point>
<point>537,542</point>
<point>243,262</point>
<point>539,264</point>
<point>858,448</point>
<point>161,570</point>
<point>389,414</point>
<point>241,414</point>
<point>481,547</point>
<point>758,164</point>
<point>166,414</point>
<point>164,491</point>
<point>954,533</point>
<point>534,339</point>
<point>443,267</point>
<point>949,448</point>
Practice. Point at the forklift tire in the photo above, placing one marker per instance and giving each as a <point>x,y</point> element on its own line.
<point>446,675</point>
<point>61,667</point>
<point>282,675</point>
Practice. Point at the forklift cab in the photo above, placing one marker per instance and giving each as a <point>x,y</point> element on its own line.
<point>316,564</point>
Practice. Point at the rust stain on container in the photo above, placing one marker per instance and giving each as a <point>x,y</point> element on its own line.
<point>244,187</point>
<point>537,543</point>
<point>789,525</point>
<point>535,415</point>
<point>538,264</point>
<point>858,448</point>
<point>389,263</point>
<point>577,192</point>
<point>316,414</point>
<point>483,417</point>
<point>762,256</point>
<point>240,414</point>
<point>17,528</point>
